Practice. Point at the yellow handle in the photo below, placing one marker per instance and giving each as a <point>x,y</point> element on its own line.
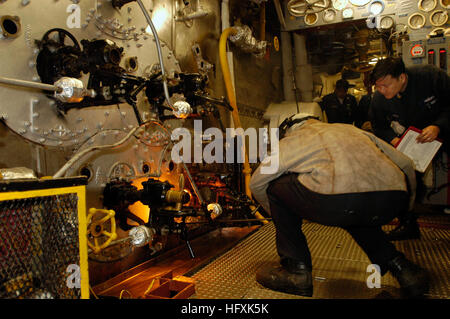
<point>235,113</point>
<point>96,228</point>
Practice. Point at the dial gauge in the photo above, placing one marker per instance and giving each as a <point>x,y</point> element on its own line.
<point>386,22</point>
<point>339,4</point>
<point>359,3</point>
<point>416,21</point>
<point>347,13</point>
<point>311,18</point>
<point>445,4</point>
<point>299,8</point>
<point>427,5</point>
<point>438,18</point>
<point>329,15</point>
<point>376,7</point>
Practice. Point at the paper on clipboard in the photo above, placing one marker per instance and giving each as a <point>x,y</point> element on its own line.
<point>421,153</point>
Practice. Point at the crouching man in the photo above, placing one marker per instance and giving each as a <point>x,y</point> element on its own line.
<point>335,175</point>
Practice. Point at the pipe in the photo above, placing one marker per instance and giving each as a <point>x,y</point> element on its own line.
<point>287,64</point>
<point>235,113</point>
<point>75,158</point>
<point>29,84</point>
<point>225,12</point>
<point>280,14</point>
<point>304,73</point>
<point>158,48</point>
<point>194,186</point>
<point>191,16</point>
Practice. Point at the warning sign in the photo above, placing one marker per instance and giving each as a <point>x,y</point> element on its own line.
<point>417,51</point>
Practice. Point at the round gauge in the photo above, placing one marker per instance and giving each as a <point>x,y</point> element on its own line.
<point>416,21</point>
<point>386,22</point>
<point>359,3</point>
<point>427,5</point>
<point>376,7</point>
<point>311,18</point>
<point>339,4</point>
<point>347,13</point>
<point>438,18</point>
<point>299,8</point>
<point>329,15</point>
<point>445,4</point>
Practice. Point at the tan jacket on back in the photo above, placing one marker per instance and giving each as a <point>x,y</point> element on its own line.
<point>337,159</point>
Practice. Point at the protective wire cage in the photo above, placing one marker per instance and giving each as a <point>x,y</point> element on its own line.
<point>43,248</point>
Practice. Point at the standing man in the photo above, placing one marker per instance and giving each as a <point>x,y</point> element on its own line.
<point>418,96</point>
<point>339,106</point>
<point>336,175</point>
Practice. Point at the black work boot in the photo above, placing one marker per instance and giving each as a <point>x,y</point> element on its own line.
<point>291,277</point>
<point>413,280</point>
<point>407,229</point>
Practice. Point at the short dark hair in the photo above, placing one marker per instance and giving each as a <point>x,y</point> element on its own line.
<point>389,66</point>
<point>342,84</point>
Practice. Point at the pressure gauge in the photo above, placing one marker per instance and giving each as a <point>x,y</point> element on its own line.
<point>329,15</point>
<point>299,8</point>
<point>359,3</point>
<point>340,4</point>
<point>427,5</point>
<point>311,18</point>
<point>376,7</point>
<point>438,18</point>
<point>445,4</point>
<point>347,13</point>
<point>386,22</point>
<point>416,21</point>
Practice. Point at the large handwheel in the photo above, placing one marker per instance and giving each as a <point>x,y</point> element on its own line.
<point>58,55</point>
<point>61,39</point>
<point>299,8</point>
<point>98,237</point>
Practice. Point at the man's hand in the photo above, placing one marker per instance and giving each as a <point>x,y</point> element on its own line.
<point>395,141</point>
<point>429,134</point>
<point>367,126</point>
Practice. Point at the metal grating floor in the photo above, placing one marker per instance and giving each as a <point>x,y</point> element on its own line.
<point>339,266</point>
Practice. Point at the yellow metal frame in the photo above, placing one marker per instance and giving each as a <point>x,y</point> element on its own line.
<point>82,228</point>
<point>109,215</point>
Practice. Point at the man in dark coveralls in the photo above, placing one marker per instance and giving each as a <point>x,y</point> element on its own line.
<point>340,106</point>
<point>417,96</point>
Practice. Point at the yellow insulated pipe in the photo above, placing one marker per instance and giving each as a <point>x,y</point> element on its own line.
<point>235,113</point>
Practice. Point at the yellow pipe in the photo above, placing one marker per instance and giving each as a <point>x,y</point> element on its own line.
<point>235,113</point>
